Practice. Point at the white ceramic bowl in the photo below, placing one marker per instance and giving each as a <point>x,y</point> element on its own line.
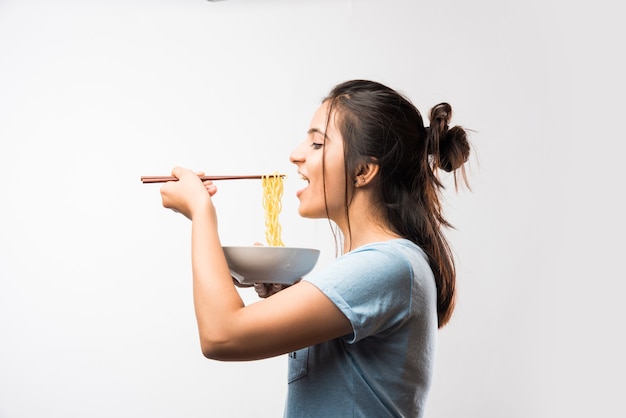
<point>259,264</point>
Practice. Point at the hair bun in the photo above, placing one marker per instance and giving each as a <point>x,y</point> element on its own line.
<point>454,149</point>
<point>449,146</point>
<point>441,114</point>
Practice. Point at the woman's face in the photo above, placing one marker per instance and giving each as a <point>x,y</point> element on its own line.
<point>315,152</point>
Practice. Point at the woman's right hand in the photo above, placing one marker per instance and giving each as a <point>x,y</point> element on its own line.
<point>265,290</point>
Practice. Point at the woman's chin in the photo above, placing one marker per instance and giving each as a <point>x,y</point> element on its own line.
<point>306,212</point>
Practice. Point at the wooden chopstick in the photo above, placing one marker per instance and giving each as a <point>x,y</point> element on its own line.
<point>163,179</point>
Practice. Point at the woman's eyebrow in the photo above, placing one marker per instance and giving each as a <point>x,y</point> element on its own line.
<point>315,130</point>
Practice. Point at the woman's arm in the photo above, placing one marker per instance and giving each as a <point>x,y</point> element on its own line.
<point>298,316</point>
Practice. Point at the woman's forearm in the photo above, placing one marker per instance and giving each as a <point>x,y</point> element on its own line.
<point>216,299</point>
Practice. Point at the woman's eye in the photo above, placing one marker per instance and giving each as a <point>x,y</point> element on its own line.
<point>317,145</point>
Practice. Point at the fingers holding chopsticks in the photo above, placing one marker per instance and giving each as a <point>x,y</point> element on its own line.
<point>189,194</point>
<point>208,184</point>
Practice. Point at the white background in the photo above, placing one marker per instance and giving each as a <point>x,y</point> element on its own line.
<point>96,316</point>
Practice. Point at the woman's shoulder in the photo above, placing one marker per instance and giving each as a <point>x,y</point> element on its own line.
<point>397,257</point>
<point>393,248</point>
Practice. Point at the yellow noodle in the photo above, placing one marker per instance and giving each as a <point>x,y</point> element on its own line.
<point>272,195</point>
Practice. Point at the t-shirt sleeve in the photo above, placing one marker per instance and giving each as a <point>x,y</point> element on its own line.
<point>372,288</point>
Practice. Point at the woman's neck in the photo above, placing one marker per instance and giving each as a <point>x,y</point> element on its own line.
<point>364,226</point>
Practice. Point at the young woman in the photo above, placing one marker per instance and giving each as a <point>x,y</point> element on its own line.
<point>360,332</point>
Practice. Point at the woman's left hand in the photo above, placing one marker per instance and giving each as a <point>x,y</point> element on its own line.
<point>187,195</point>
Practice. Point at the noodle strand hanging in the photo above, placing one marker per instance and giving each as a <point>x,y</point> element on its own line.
<point>272,195</point>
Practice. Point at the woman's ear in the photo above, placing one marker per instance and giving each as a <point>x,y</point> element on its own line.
<point>365,173</point>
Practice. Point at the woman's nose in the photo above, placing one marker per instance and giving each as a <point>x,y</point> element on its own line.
<point>297,155</point>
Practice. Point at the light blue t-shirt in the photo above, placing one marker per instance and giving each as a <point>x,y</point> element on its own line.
<point>384,368</point>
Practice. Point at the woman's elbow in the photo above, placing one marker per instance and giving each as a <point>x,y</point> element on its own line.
<point>213,349</point>
<point>222,349</point>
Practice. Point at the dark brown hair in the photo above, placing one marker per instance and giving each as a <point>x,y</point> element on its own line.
<point>380,125</point>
